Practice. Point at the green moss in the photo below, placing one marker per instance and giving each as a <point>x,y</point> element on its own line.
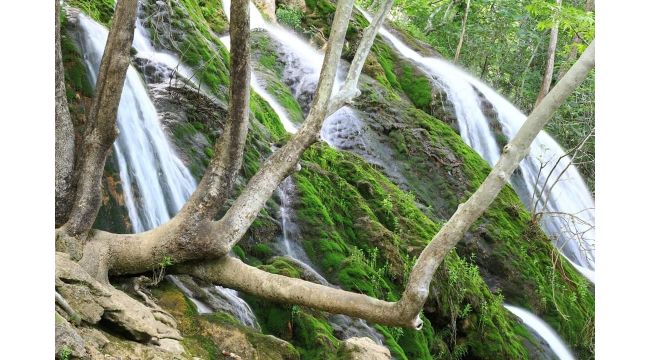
<point>75,72</point>
<point>282,267</point>
<point>416,87</point>
<point>267,117</point>
<point>99,10</point>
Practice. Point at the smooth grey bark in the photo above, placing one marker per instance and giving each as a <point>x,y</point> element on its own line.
<point>233,273</point>
<point>349,89</point>
<point>64,132</point>
<point>462,33</point>
<point>550,62</point>
<point>101,130</point>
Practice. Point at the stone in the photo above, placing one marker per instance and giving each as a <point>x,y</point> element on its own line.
<point>363,349</point>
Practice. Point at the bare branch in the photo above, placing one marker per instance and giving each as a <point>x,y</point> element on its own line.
<point>349,89</point>
<point>260,187</point>
<point>233,273</point>
<point>433,254</point>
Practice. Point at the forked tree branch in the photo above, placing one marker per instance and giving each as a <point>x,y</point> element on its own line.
<point>233,273</point>
<point>188,237</point>
<point>349,89</point>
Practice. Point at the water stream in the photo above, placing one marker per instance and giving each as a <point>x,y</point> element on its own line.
<point>155,181</point>
<point>570,204</point>
<point>539,327</point>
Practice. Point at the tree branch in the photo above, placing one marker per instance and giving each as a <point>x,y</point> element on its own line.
<point>216,185</point>
<point>349,89</point>
<point>101,131</point>
<point>186,237</point>
<point>233,273</point>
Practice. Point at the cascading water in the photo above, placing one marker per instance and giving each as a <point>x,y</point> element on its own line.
<point>544,331</point>
<point>570,206</point>
<point>155,181</point>
<point>571,196</point>
<point>261,91</point>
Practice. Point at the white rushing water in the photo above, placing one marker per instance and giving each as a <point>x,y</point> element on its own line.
<point>155,181</point>
<point>543,330</point>
<point>570,205</point>
<point>302,70</point>
<point>261,91</point>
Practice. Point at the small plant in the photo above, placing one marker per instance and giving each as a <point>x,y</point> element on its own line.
<point>295,310</point>
<point>159,271</point>
<point>396,332</point>
<point>65,352</point>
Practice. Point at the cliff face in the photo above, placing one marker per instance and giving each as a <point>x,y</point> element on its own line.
<point>362,211</point>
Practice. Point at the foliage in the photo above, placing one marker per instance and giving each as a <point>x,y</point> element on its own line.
<point>288,16</point>
<point>99,10</point>
<point>65,353</point>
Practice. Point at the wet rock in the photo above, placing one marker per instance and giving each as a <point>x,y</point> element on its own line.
<point>267,8</point>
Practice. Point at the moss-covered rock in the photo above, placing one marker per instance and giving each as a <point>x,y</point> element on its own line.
<point>207,336</point>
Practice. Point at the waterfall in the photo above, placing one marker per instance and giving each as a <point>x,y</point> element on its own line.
<point>155,181</point>
<point>261,91</point>
<point>301,74</point>
<point>570,205</point>
<point>544,331</point>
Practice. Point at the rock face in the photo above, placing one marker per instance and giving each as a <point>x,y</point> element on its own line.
<point>295,4</point>
<point>267,7</point>
<point>363,349</point>
<point>97,303</point>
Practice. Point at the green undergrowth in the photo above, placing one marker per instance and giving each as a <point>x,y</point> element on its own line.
<point>99,10</point>
<point>308,330</point>
<point>364,233</point>
<point>508,245</point>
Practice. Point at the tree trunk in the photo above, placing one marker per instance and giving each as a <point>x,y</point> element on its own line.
<point>217,183</point>
<point>124,254</point>
<point>462,33</point>
<point>64,143</point>
<point>101,130</point>
<point>550,62</point>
